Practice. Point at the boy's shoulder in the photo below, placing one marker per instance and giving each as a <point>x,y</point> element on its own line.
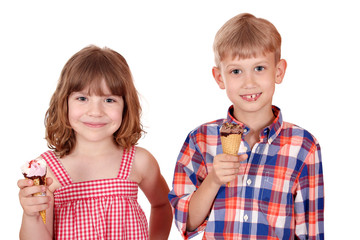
<point>295,133</point>
<point>208,128</point>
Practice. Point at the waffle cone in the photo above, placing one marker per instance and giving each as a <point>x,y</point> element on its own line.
<point>37,183</point>
<point>231,143</point>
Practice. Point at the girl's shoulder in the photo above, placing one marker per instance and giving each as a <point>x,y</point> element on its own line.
<point>143,157</point>
<point>143,163</point>
<point>142,152</point>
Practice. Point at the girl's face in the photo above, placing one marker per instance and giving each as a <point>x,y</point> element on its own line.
<point>95,118</point>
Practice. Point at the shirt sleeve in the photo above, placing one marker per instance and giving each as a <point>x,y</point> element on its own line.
<point>309,200</point>
<point>187,178</point>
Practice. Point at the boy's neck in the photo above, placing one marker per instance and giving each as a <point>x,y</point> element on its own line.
<point>256,121</point>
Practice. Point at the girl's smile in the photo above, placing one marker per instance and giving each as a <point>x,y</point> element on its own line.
<point>94,125</point>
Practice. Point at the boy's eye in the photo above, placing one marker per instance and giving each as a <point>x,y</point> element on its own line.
<point>259,68</point>
<point>236,71</point>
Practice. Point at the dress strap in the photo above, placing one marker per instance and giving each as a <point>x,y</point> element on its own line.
<point>126,163</point>
<point>56,167</point>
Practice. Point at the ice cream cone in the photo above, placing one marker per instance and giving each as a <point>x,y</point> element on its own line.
<point>230,135</point>
<point>35,170</point>
<point>231,143</point>
<point>37,183</point>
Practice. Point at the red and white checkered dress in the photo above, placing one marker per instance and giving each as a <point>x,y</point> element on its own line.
<point>98,209</point>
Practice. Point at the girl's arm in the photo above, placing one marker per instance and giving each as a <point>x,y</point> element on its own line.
<point>32,226</point>
<point>156,190</point>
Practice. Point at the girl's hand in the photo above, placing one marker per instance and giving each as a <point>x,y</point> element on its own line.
<point>226,167</point>
<point>32,205</point>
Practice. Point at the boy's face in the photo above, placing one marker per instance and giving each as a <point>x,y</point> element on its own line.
<point>250,83</point>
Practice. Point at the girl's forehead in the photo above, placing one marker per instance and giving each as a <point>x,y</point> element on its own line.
<point>97,88</point>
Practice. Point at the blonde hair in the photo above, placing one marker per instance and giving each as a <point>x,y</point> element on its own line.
<point>246,36</point>
<point>87,68</point>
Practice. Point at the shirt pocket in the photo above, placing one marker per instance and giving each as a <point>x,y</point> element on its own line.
<point>276,199</point>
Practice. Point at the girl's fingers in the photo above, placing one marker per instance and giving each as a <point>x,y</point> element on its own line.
<point>29,191</point>
<point>49,181</point>
<point>22,183</point>
<point>35,200</point>
<point>35,209</point>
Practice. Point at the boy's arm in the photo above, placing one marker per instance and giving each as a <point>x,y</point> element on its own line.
<point>225,169</point>
<point>190,170</point>
<point>309,200</point>
<point>193,198</point>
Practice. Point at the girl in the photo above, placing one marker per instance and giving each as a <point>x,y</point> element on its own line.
<point>94,170</point>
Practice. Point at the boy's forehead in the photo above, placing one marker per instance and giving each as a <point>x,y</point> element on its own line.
<point>231,57</point>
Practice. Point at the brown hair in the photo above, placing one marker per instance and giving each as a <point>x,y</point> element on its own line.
<point>87,68</point>
<point>246,36</point>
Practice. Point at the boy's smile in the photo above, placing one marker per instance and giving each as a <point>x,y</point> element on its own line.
<point>250,83</point>
<point>251,97</point>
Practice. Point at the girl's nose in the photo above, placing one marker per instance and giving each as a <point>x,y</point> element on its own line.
<point>95,109</point>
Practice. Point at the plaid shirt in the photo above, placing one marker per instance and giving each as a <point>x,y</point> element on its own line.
<point>280,194</point>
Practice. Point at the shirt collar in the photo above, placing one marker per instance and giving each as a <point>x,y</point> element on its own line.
<point>269,133</point>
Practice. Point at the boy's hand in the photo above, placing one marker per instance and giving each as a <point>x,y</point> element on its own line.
<point>226,167</point>
<point>32,205</point>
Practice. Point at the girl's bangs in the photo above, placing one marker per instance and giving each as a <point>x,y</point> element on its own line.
<point>91,78</point>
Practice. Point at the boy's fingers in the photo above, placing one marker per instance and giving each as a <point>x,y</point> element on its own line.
<point>243,157</point>
<point>231,172</point>
<point>231,165</point>
<point>228,158</point>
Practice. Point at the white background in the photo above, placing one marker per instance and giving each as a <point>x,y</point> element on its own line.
<point>168,45</point>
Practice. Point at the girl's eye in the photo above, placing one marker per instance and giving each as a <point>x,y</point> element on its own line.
<point>236,71</point>
<point>109,100</point>
<point>81,99</point>
<point>259,68</point>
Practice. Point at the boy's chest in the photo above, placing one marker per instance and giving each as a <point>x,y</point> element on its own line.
<point>270,166</point>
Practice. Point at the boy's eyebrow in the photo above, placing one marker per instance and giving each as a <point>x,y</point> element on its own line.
<point>260,62</point>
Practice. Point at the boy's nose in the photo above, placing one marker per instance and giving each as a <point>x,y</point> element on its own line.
<point>249,81</point>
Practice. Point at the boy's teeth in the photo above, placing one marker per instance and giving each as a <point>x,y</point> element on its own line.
<point>251,96</point>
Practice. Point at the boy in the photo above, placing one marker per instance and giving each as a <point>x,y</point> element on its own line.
<point>273,189</point>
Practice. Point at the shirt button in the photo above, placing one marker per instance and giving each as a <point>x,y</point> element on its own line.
<point>246,217</point>
<point>249,182</point>
<point>243,149</point>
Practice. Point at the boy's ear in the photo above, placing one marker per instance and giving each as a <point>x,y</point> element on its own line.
<point>280,71</point>
<point>218,78</point>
